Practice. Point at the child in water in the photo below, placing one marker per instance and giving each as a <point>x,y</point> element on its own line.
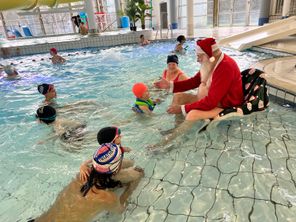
<point>82,200</point>
<point>11,72</point>
<point>67,130</point>
<point>49,92</point>
<point>144,41</point>
<point>143,104</point>
<point>56,59</point>
<point>179,46</point>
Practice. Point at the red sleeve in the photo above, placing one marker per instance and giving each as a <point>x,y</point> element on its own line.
<point>220,85</point>
<point>187,84</point>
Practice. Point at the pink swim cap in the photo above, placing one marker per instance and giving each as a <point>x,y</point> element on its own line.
<point>54,50</point>
<point>139,89</point>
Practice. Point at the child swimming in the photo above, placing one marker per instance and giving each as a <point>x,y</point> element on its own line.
<point>11,72</point>
<point>67,130</point>
<point>82,201</point>
<point>143,104</point>
<point>56,59</point>
<point>179,46</point>
<point>49,92</point>
<point>144,41</point>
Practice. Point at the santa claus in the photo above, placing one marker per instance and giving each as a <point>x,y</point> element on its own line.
<point>219,84</point>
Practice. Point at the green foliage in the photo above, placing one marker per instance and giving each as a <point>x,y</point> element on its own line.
<point>136,9</point>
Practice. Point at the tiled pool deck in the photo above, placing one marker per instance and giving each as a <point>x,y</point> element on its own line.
<point>231,178</point>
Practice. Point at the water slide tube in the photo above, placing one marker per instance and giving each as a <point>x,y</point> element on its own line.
<point>30,4</point>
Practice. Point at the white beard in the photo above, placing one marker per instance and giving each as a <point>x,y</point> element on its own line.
<point>206,71</point>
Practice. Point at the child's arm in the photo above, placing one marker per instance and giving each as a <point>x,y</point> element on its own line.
<point>145,109</point>
<point>84,170</point>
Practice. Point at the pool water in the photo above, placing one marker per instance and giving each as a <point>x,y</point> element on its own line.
<point>243,170</point>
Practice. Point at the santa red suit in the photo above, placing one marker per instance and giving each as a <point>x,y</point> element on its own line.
<point>225,89</point>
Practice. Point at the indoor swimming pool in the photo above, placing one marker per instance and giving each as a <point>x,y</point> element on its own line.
<point>240,170</point>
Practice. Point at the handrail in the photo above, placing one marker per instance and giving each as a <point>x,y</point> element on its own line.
<point>109,25</point>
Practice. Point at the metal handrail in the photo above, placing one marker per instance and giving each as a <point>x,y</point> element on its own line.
<point>109,25</point>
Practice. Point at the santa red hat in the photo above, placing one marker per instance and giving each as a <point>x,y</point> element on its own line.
<point>207,46</point>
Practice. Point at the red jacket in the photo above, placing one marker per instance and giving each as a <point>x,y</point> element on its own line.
<point>225,90</point>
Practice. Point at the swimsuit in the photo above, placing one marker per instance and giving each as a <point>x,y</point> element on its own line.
<point>74,134</point>
<point>139,102</point>
<point>177,77</point>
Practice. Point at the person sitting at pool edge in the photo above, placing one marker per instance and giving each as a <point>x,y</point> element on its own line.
<point>56,59</point>
<point>143,104</point>
<point>225,85</point>
<point>83,30</point>
<point>144,41</point>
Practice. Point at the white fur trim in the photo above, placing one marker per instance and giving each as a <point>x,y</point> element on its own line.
<point>183,110</point>
<point>215,47</point>
<point>199,50</point>
<point>212,59</point>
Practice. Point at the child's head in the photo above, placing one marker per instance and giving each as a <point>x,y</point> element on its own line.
<point>107,158</point>
<point>10,71</point>
<point>172,61</point>
<point>53,51</point>
<point>141,36</point>
<point>109,134</point>
<point>48,90</point>
<point>46,114</point>
<point>106,162</point>
<point>181,38</point>
<point>141,91</point>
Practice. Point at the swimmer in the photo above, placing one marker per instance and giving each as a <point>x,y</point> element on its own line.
<point>49,92</point>
<point>67,130</point>
<point>143,104</point>
<point>179,46</point>
<point>82,200</point>
<point>173,72</point>
<point>11,72</point>
<point>56,59</point>
<point>144,41</point>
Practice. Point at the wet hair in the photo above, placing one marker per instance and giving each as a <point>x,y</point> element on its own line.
<point>181,38</point>
<point>106,134</point>
<point>43,88</point>
<point>141,36</point>
<point>46,114</point>
<point>82,23</point>
<point>100,181</point>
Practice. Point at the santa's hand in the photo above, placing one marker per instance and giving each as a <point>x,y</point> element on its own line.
<point>174,109</point>
<point>162,84</point>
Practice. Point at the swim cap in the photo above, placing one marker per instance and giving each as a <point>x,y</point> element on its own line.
<point>46,114</point>
<point>107,134</point>
<point>44,88</point>
<point>139,89</point>
<point>172,58</point>
<point>54,50</point>
<point>10,70</point>
<point>107,158</point>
